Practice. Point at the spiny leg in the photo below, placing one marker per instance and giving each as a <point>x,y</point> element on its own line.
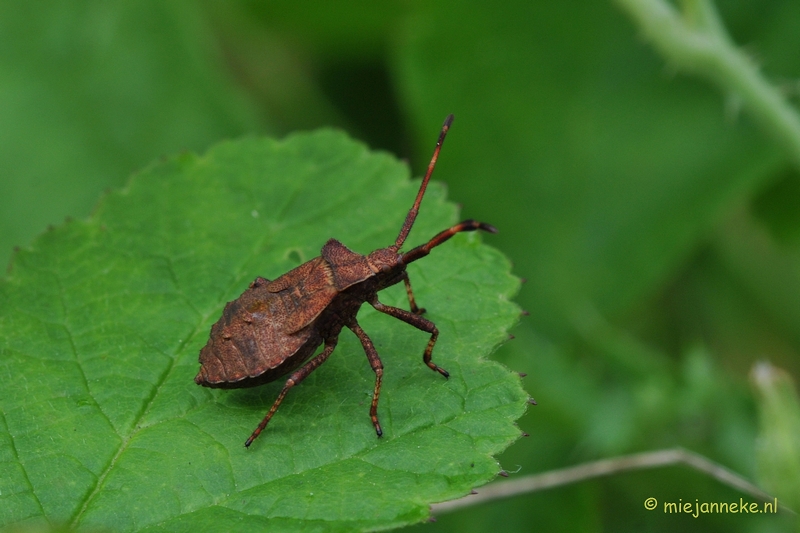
<point>425,249</point>
<point>297,376</point>
<point>414,309</point>
<point>418,322</point>
<point>377,366</point>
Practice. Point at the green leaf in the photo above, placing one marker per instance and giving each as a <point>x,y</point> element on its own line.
<point>102,320</point>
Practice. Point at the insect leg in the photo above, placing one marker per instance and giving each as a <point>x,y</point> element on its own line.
<point>414,309</point>
<point>297,376</point>
<point>418,322</point>
<point>377,366</point>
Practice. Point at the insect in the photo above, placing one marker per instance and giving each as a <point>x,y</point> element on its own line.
<point>274,327</point>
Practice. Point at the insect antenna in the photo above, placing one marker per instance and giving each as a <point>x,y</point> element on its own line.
<point>412,214</point>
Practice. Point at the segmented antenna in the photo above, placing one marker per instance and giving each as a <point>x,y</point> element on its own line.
<point>412,214</point>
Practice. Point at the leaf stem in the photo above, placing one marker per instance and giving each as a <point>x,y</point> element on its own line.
<point>694,40</point>
<point>605,467</point>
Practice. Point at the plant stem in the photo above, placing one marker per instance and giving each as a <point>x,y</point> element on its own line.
<point>695,41</point>
<point>605,467</point>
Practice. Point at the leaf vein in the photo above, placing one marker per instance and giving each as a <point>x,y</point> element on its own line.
<point>19,461</point>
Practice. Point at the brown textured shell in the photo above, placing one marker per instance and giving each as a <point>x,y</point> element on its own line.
<point>269,330</point>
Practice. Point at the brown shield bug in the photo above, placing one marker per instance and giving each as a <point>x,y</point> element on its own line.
<point>275,326</point>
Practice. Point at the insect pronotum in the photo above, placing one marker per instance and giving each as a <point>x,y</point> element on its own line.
<point>274,327</point>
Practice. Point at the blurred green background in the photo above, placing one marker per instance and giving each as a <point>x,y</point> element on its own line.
<point>657,227</point>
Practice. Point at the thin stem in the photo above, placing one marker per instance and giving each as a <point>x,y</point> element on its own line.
<point>696,41</point>
<point>605,467</point>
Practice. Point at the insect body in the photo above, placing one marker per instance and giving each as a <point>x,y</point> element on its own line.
<point>274,327</point>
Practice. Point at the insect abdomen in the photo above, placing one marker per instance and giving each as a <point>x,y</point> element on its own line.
<point>248,345</point>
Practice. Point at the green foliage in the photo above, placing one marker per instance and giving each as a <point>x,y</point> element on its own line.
<point>609,175</point>
<point>92,92</point>
<point>102,320</point>
<point>779,438</point>
<point>652,213</point>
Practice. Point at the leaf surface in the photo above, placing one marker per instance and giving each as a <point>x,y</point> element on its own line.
<point>101,323</point>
